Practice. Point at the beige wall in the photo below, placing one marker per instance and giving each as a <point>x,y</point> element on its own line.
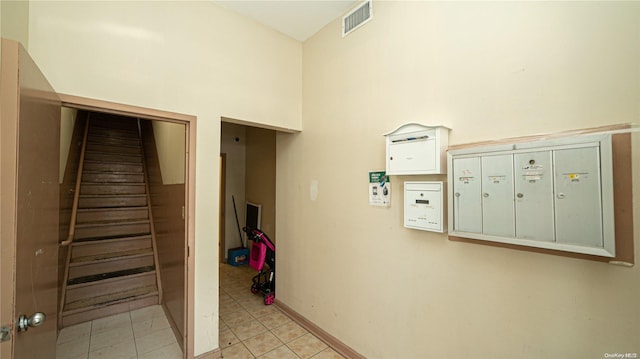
<point>261,175</point>
<point>14,21</point>
<point>170,142</point>
<point>488,71</point>
<point>67,123</point>
<point>167,201</point>
<point>236,152</point>
<point>187,57</point>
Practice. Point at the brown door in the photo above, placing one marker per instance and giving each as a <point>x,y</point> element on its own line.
<point>29,150</point>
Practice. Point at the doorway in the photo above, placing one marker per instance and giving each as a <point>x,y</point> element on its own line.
<point>250,177</point>
<point>178,295</point>
<point>30,150</point>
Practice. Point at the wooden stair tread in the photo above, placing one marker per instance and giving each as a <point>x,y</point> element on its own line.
<point>111,195</point>
<point>124,209</point>
<point>112,223</point>
<point>113,140</point>
<point>106,257</point>
<point>112,189</point>
<point>88,240</point>
<point>111,147</point>
<point>108,240</point>
<point>117,153</point>
<point>128,135</point>
<point>110,166</point>
<point>109,128</point>
<point>111,275</point>
<point>92,161</point>
<point>111,172</point>
<point>139,184</point>
<point>110,214</point>
<point>135,276</point>
<point>109,280</point>
<point>123,134</point>
<point>100,301</point>
<point>99,140</point>
<point>126,158</point>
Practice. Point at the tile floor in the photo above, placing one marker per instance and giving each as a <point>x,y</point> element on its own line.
<point>139,334</point>
<point>248,329</point>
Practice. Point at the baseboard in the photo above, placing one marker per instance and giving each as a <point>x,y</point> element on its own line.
<point>214,354</point>
<point>335,344</point>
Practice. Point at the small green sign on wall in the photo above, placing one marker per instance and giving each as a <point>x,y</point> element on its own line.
<point>379,189</point>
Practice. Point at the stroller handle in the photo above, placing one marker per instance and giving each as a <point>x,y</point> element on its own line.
<point>251,234</point>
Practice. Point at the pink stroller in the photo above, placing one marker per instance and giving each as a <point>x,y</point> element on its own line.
<point>262,251</point>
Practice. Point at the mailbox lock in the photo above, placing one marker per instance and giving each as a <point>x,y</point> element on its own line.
<point>485,195</point>
<point>457,194</point>
<point>560,195</point>
<point>520,195</point>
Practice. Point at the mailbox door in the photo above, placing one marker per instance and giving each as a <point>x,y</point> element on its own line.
<point>467,200</point>
<point>498,217</point>
<point>578,196</point>
<point>534,196</point>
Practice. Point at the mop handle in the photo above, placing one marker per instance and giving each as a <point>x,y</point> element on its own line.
<point>237,222</point>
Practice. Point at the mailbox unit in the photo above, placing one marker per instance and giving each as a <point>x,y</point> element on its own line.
<point>424,206</point>
<point>414,149</point>
<point>555,194</point>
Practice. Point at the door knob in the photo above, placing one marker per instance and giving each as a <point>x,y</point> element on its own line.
<point>35,320</point>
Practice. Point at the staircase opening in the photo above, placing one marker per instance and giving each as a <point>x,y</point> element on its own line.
<point>130,231</point>
<point>112,261</point>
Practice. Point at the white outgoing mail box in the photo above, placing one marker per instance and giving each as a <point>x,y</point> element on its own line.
<point>415,149</point>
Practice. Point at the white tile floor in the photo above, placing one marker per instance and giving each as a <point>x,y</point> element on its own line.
<point>139,334</point>
<point>248,329</point>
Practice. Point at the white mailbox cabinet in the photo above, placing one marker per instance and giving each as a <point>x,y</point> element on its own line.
<point>424,206</point>
<point>554,194</point>
<point>414,149</point>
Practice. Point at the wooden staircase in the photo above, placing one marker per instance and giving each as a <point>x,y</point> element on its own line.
<point>112,267</point>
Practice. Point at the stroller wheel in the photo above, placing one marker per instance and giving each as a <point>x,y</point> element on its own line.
<point>269,299</point>
<point>254,289</point>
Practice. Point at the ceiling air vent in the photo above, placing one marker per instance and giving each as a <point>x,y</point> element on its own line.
<point>357,17</point>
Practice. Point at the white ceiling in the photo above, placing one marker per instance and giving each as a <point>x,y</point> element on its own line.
<point>299,19</point>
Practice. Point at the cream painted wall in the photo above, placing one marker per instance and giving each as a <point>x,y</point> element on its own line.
<point>235,151</point>
<point>67,122</point>
<point>261,176</point>
<point>170,143</point>
<point>488,71</point>
<point>14,23</point>
<point>187,57</point>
